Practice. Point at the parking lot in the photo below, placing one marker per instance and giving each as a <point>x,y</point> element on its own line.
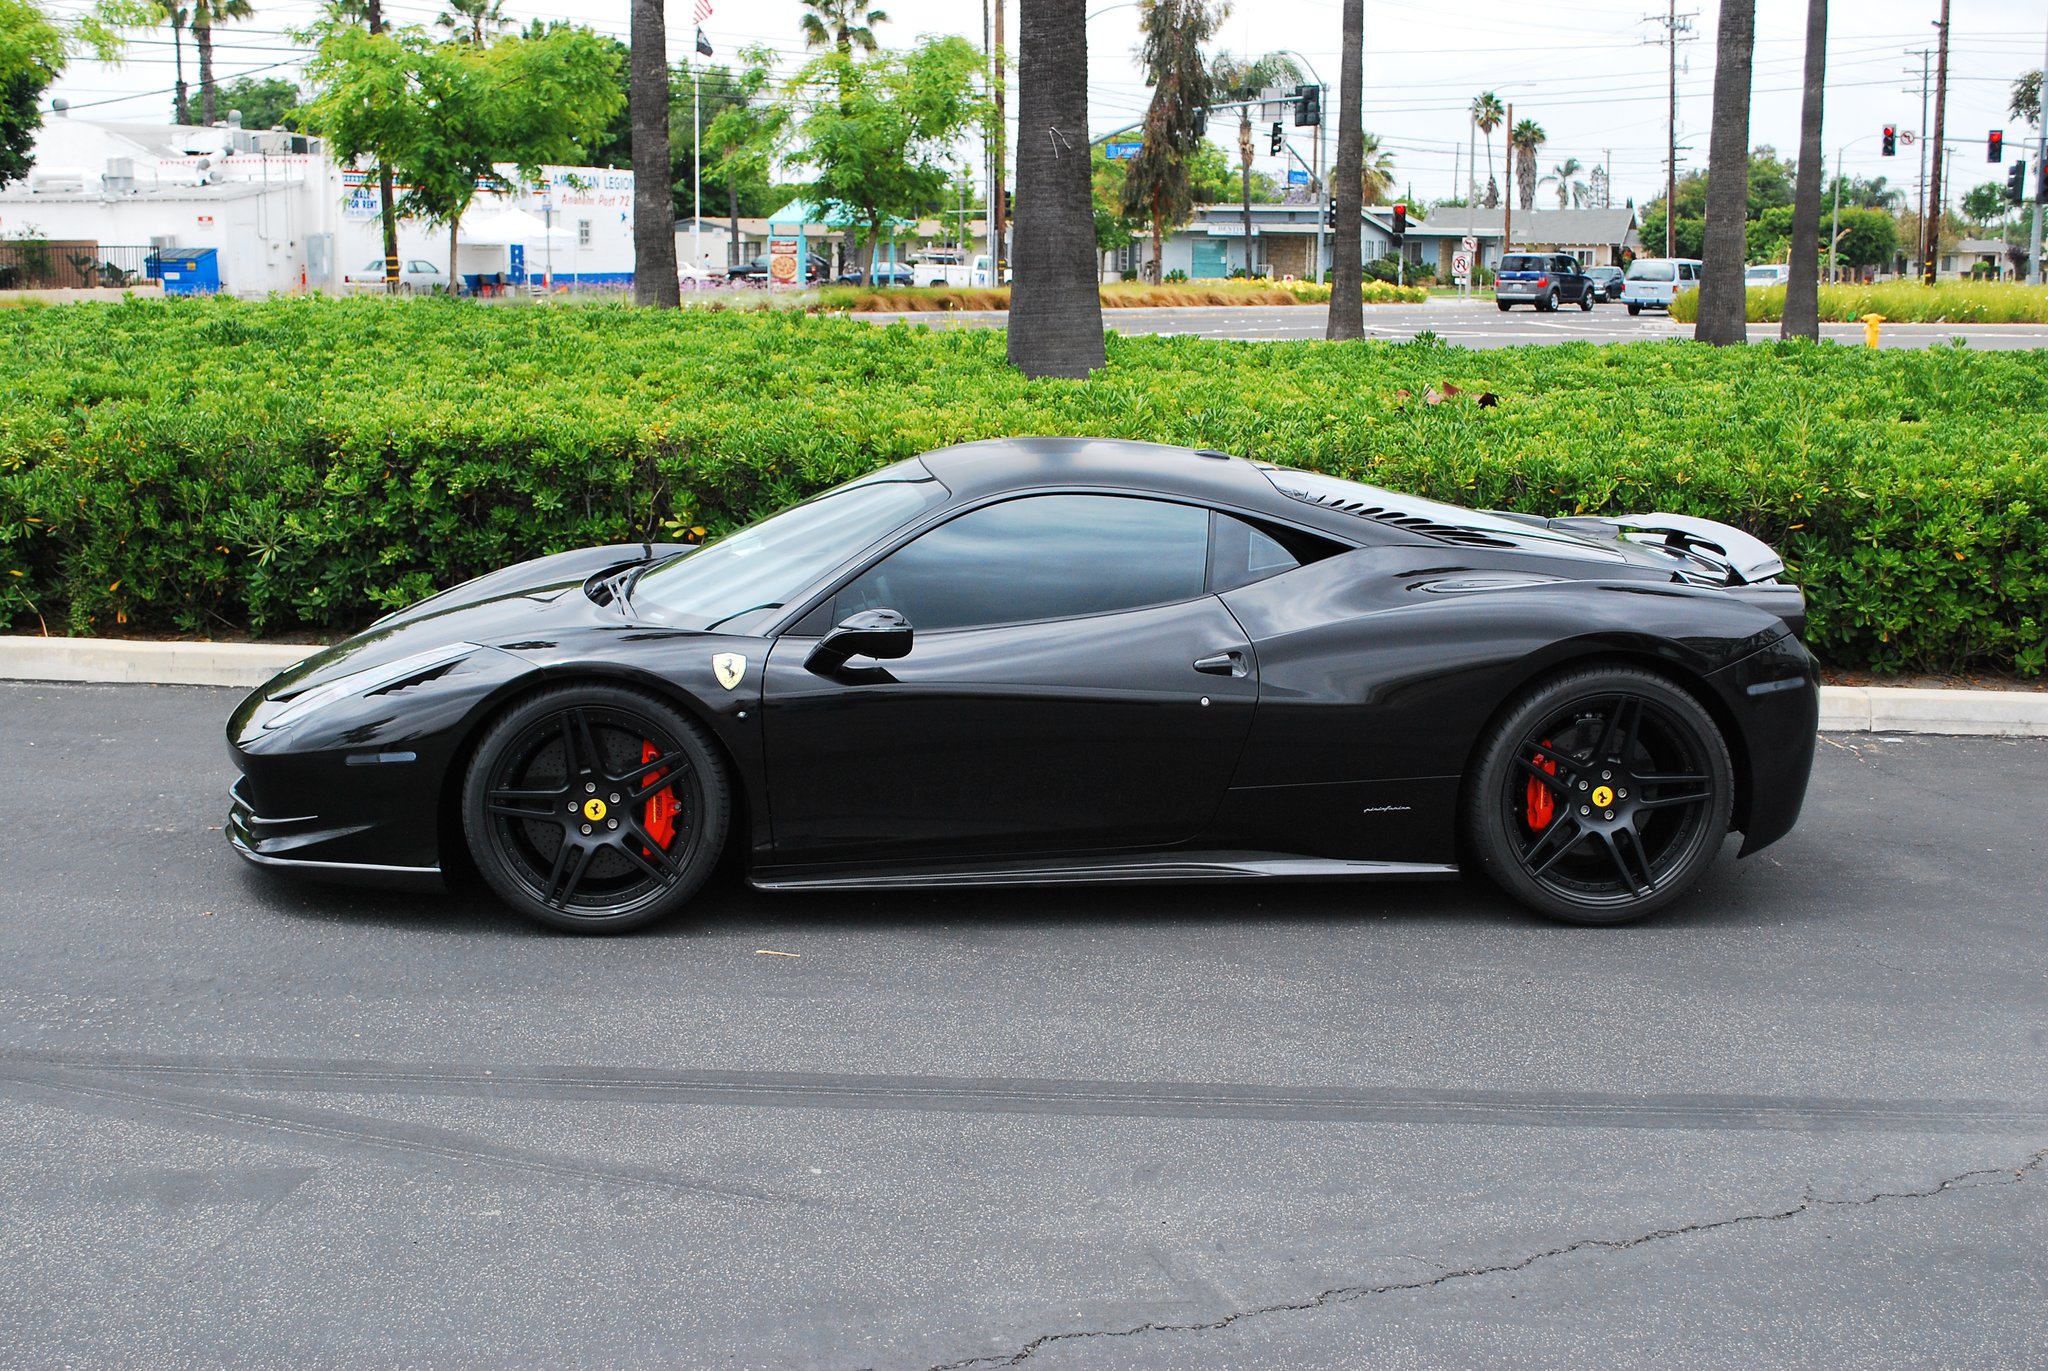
<point>1801,1121</point>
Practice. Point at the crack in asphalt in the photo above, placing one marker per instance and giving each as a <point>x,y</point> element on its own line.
<point>1345,1294</point>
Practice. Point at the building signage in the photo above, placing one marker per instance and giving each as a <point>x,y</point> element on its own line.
<point>1122,152</point>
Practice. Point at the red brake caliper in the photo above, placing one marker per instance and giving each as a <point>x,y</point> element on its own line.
<point>659,817</point>
<point>1539,805</point>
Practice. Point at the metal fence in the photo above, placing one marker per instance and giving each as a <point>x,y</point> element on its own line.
<point>31,265</point>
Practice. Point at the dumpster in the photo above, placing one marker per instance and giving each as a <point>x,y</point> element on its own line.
<point>185,271</point>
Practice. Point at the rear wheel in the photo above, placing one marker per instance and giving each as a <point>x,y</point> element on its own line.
<point>1634,310</point>
<point>595,808</point>
<point>1550,302</point>
<point>1586,300</point>
<point>1503,306</point>
<point>1601,796</point>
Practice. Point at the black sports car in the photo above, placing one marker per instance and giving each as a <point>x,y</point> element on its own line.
<point>1049,660</point>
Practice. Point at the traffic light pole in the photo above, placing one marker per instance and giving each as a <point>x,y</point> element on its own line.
<point>2040,183</point>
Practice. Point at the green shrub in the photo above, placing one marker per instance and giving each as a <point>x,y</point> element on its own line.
<point>1900,302</point>
<point>207,466</point>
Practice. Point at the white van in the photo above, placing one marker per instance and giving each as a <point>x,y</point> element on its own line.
<point>1651,282</point>
<point>1766,275</point>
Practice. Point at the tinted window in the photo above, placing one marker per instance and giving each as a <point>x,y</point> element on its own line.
<point>1649,271</point>
<point>1240,554</point>
<point>1043,557</point>
<point>1515,261</point>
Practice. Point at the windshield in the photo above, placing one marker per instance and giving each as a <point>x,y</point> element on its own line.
<point>1763,273</point>
<point>776,560</point>
<point>1649,271</point>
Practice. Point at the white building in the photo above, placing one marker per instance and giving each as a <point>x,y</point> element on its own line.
<point>280,215</point>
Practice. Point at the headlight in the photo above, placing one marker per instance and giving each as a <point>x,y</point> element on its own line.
<point>369,680</point>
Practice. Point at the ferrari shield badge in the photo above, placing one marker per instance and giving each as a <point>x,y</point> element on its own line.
<point>728,667</point>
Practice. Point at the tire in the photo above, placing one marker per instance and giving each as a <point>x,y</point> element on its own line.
<point>1634,310</point>
<point>1586,301</point>
<point>573,824</point>
<point>1529,805</point>
<point>1550,302</point>
<point>1504,306</point>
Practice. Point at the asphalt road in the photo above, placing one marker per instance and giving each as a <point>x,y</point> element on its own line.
<point>1477,324</point>
<point>1803,1121</point>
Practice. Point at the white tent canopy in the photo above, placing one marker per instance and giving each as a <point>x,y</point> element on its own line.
<point>509,226</point>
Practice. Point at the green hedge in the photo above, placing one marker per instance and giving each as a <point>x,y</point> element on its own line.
<point>1900,302</point>
<point>209,466</point>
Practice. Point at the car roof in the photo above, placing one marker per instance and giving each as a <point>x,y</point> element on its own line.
<point>994,465</point>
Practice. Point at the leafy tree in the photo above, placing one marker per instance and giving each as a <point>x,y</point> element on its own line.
<point>31,55</point>
<point>205,15</point>
<point>1985,205</point>
<point>1113,228</point>
<point>883,146</point>
<point>1055,307</point>
<point>1376,170</point>
<point>743,136</point>
<point>1771,180</point>
<point>1722,304</point>
<point>474,21</point>
<point>1771,188</point>
<point>1873,193</point>
<point>1569,189</point>
<point>1526,137</point>
<point>841,24</point>
<point>1488,114</point>
<point>1242,78</point>
<point>266,103</point>
<point>1156,180</point>
<point>443,116</point>
<point>2025,104</point>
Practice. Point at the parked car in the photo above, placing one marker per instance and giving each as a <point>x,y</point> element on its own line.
<point>1045,661</point>
<point>1651,282</point>
<point>415,276</point>
<point>1766,275</point>
<point>1544,280</point>
<point>884,276</point>
<point>1609,279</point>
<point>689,277</point>
<point>951,269</point>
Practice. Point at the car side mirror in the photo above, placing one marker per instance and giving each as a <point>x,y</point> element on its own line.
<point>879,633</point>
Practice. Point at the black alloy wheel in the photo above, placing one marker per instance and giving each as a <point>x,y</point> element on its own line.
<point>1602,796</point>
<point>595,808</point>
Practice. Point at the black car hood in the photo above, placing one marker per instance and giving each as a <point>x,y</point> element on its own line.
<point>515,604</point>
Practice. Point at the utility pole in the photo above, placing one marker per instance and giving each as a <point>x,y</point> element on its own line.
<point>1930,260</point>
<point>995,206</point>
<point>2040,182</point>
<point>1507,202</point>
<point>988,164</point>
<point>1677,28</point>
<point>1926,56</point>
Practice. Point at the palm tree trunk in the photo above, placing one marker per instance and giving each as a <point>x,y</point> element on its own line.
<point>1726,251</point>
<point>1244,158</point>
<point>181,107</point>
<point>1802,288</point>
<point>1056,304</point>
<point>654,206</point>
<point>1347,189</point>
<point>202,36</point>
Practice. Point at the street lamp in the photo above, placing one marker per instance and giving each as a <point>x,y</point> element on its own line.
<point>1322,180</point>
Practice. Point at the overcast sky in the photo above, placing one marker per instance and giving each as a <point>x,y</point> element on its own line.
<point>1591,72</point>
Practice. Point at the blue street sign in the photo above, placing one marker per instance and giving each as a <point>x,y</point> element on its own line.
<point>1297,177</point>
<point>1122,152</point>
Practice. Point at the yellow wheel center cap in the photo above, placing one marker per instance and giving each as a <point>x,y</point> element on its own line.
<point>593,809</point>
<point>1602,797</point>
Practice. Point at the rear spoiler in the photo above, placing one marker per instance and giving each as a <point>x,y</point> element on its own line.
<point>1748,560</point>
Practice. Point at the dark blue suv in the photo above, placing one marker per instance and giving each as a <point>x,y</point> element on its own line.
<point>1544,280</point>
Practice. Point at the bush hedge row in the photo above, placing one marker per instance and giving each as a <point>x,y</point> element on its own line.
<point>1900,302</point>
<point>205,467</point>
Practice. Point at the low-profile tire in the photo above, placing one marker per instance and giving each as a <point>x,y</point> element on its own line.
<point>595,808</point>
<point>1533,806</point>
<point>1586,301</point>
<point>1634,310</point>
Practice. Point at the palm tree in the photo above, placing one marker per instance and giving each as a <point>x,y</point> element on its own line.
<point>1568,189</point>
<point>1722,308</point>
<point>840,24</point>
<point>1488,113</point>
<point>1347,247</point>
<point>205,14</point>
<point>1376,170</point>
<point>1055,306</point>
<point>1527,136</point>
<point>1242,78</point>
<point>471,20</point>
<point>654,205</point>
<point>1156,180</point>
<point>1801,318</point>
<point>177,16</point>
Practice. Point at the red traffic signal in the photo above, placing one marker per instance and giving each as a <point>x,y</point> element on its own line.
<point>1400,222</point>
<point>1891,141</point>
<point>1994,150</point>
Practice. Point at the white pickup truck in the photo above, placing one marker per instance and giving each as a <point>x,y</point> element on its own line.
<point>951,270</point>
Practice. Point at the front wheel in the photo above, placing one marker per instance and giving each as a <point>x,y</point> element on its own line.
<point>1602,796</point>
<point>595,808</point>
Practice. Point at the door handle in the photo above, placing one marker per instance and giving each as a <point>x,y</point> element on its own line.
<point>1222,664</point>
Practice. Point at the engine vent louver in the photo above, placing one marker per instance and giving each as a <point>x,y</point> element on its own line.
<point>1413,523</point>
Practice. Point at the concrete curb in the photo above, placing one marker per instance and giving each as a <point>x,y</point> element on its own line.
<point>1843,709</point>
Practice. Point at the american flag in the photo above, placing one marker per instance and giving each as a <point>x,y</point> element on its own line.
<point>702,12</point>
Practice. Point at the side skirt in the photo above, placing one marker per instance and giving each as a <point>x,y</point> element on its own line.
<point>1181,868</point>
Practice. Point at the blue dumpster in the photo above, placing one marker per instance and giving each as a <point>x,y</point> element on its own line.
<point>185,271</point>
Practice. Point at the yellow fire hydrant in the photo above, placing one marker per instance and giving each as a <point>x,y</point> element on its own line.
<point>1871,323</point>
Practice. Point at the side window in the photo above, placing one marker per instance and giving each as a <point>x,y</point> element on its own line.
<point>1040,557</point>
<point>1240,554</point>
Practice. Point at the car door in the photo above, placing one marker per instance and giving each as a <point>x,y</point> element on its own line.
<point>1074,685</point>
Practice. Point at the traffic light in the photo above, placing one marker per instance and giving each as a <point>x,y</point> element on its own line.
<point>1891,141</point>
<point>1279,139</point>
<point>1330,215</point>
<point>1308,106</point>
<point>2016,183</point>
<point>1994,148</point>
<point>1400,224</point>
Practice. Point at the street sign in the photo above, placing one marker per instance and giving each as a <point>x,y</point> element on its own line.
<point>1461,267</point>
<point>1122,152</point>
<point>1470,244</point>
<point>1297,176</point>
